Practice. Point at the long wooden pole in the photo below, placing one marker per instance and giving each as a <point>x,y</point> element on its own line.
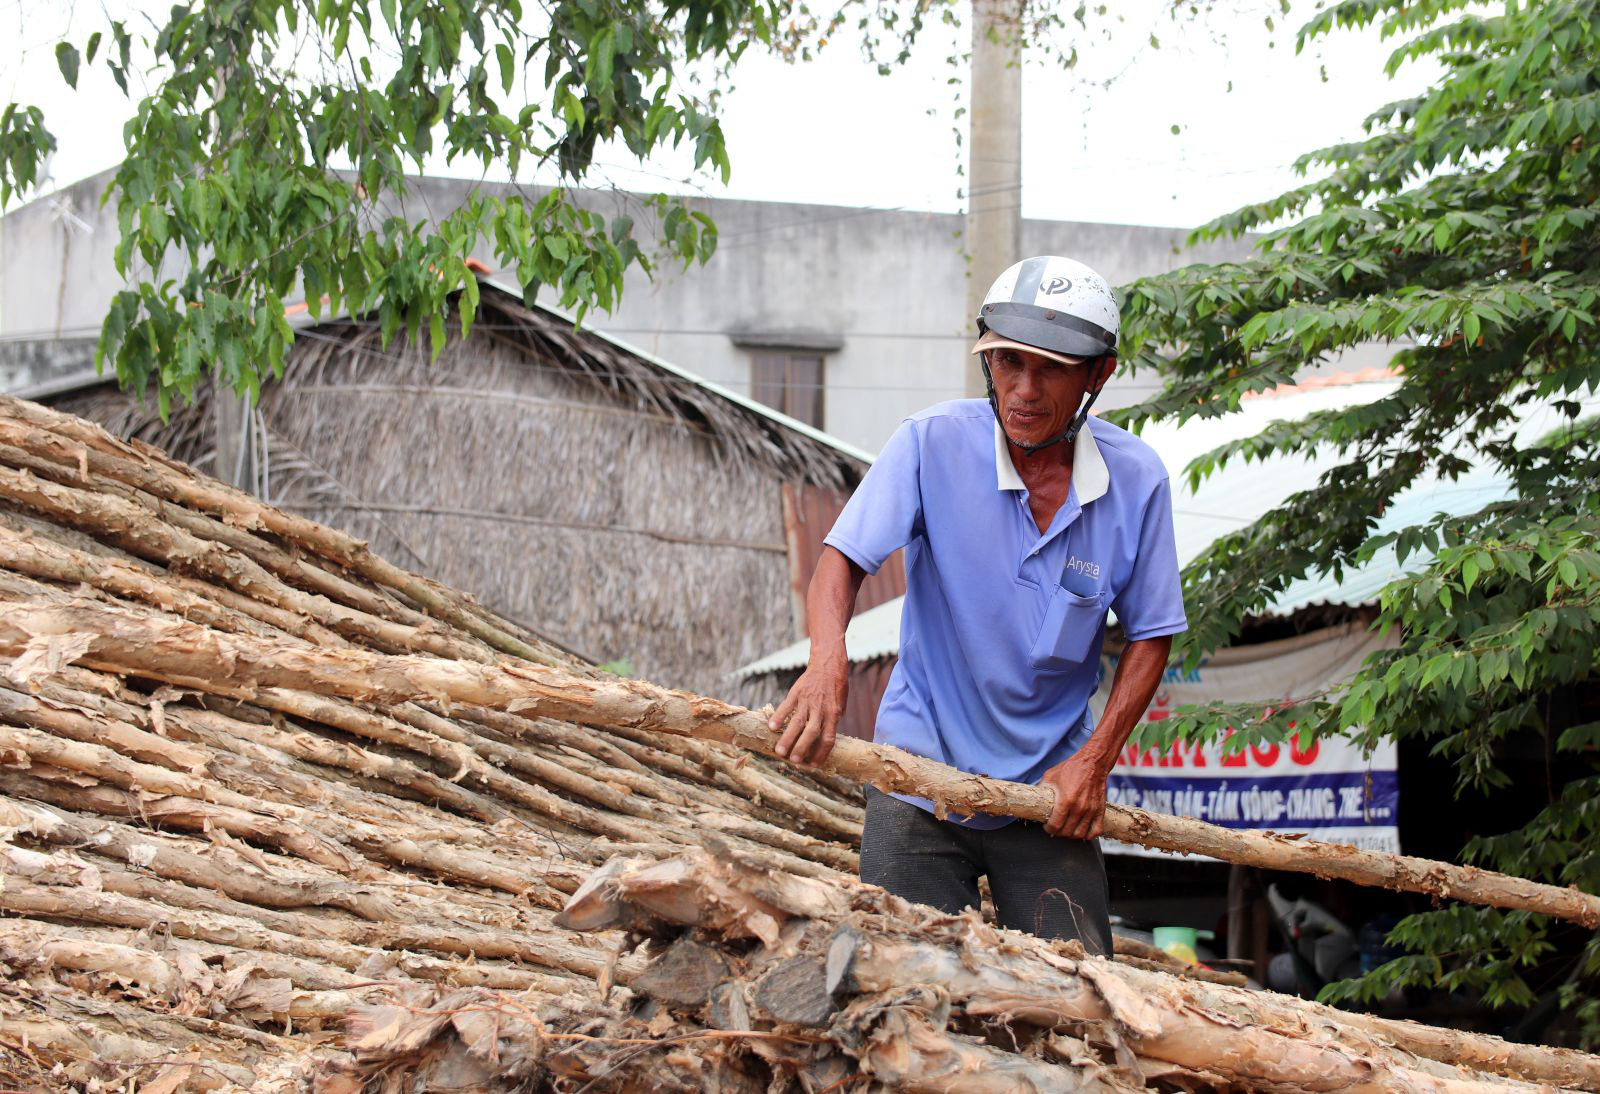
<point>165,648</point>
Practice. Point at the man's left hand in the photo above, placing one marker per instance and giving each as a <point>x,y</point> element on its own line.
<point>1080,809</point>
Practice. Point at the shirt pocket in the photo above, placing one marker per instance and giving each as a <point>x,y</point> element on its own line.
<point>1070,624</point>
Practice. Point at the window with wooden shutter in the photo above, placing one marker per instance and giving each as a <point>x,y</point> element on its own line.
<point>790,381</point>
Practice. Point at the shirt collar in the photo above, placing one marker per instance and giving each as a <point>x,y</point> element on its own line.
<point>1090,476</point>
<point>1005,472</point>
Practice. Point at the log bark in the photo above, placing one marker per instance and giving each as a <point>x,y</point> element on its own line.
<point>906,1050</point>
<point>484,1041</point>
<point>690,784</point>
<point>255,754</point>
<point>870,947</point>
<point>54,1039</point>
<point>47,560</point>
<point>206,855</point>
<point>190,655</point>
<point>30,553</point>
<point>542,729</point>
<point>274,886</point>
<point>235,879</point>
<point>461,751</point>
<point>74,442</point>
<point>379,944</point>
<point>737,772</point>
<point>328,753</point>
<point>430,1044</point>
<point>443,852</point>
<point>164,539</point>
<point>248,992</point>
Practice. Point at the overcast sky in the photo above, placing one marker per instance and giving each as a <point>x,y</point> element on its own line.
<point>834,131</point>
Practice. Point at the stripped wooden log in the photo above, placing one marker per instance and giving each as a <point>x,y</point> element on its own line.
<point>75,442</point>
<point>187,654</point>
<point>441,948</point>
<point>152,537</point>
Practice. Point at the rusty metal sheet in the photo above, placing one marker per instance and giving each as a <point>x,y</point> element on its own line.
<point>808,515</point>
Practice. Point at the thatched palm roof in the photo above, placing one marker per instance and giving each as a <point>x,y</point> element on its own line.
<point>629,507</point>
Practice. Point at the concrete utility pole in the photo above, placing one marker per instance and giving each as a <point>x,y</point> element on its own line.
<point>231,414</point>
<point>994,144</point>
<point>236,448</point>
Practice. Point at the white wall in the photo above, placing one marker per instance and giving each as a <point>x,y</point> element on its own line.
<point>891,286</point>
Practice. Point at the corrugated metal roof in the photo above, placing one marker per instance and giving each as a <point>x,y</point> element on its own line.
<point>1243,492</point>
<point>1363,584</point>
<point>873,634</point>
<point>1477,488</point>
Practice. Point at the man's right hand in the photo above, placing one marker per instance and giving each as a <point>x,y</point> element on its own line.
<point>811,712</point>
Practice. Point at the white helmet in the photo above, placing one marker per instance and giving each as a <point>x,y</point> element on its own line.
<point>1055,304</point>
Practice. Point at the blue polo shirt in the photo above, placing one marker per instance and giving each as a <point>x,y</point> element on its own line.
<point>1001,631</point>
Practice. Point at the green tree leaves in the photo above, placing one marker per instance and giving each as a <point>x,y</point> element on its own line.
<point>24,146</point>
<point>1464,231</point>
<point>276,156</point>
<point>67,61</point>
<point>276,152</point>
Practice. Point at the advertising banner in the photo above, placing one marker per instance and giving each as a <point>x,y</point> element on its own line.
<point>1325,790</point>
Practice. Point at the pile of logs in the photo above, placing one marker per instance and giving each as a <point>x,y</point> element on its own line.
<point>278,815</point>
<point>758,979</point>
<point>195,865</point>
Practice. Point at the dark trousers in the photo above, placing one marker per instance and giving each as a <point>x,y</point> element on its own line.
<point>1054,888</point>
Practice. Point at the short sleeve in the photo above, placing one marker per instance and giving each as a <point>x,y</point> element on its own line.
<point>1151,603</point>
<point>885,512</point>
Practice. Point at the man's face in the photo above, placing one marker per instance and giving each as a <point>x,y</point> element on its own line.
<point>1038,395</point>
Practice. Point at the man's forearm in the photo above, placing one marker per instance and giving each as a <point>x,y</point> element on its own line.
<point>1080,780</point>
<point>830,602</point>
<point>810,712</point>
<point>1138,675</point>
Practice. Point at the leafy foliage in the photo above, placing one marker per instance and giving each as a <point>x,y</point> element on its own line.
<point>1464,230</point>
<point>271,158</point>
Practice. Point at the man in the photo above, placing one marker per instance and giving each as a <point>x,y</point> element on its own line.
<point>1023,521</point>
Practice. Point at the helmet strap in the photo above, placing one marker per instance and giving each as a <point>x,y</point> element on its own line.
<point>1069,434</point>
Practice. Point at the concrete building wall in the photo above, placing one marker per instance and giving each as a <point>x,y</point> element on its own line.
<point>887,288</point>
<point>891,287</point>
<point>57,278</point>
